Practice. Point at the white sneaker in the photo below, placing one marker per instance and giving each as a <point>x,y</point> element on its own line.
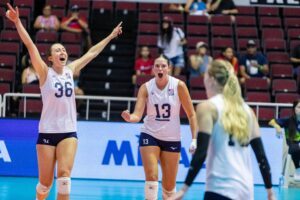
<point>297,175</point>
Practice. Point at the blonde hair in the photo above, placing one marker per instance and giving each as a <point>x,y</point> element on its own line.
<point>234,117</point>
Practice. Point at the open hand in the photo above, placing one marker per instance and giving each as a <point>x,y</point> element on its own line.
<point>12,14</point>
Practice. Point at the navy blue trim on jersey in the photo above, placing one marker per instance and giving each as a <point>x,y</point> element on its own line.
<point>148,140</point>
<point>214,196</point>
<point>53,139</point>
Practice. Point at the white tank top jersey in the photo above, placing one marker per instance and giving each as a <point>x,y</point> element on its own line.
<point>228,167</point>
<point>163,108</point>
<point>59,107</point>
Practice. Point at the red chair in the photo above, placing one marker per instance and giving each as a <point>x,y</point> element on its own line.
<point>192,41</point>
<point>270,22</point>
<point>220,43</point>
<point>274,45</point>
<point>181,77</point>
<point>272,33</point>
<point>57,3</point>
<point>81,4</point>
<point>140,80</point>
<point>242,44</point>
<point>246,10</point>
<point>10,36</point>
<point>246,33</point>
<point>198,94</point>
<point>258,84</point>
<point>221,31</point>
<point>149,7</point>
<point>74,50</point>
<point>4,2</point>
<point>46,37</point>
<point>129,6</point>
<point>176,18</point>
<point>9,25</point>
<point>281,71</point>
<point>70,38</point>
<point>293,34</point>
<point>147,40</point>
<point>291,12</point>
<point>286,97</point>
<point>148,28</point>
<point>192,19</point>
<point>4,88</point>
<point>266,114</point>
<point>258,97</point>
<point>149,17</point>
<point>33,106</point>
<point>283,85</point>
<point>43,48</point>
<point>285,112</point>
<point>291,23</point>
<point>221,20</point>
<point>24,3</point>
<point>31,88</point>
<point>294,43</point>
<point>268,11</point>
<point>98,5</point>
<point>197,83</point>
<point>10,48</point>
<point>197,30</point>
<point>58,12</point>
<point>7,75</point>
<point>277,57</point>
<point>246,21</point>
<point>8,61</point>
<point>25,13</point>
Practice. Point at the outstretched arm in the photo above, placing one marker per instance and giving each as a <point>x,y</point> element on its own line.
<point>137,115</point>
<point>38,64</point>
<point>94,51</point>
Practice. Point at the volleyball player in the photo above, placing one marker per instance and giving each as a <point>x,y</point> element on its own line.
<point>57,140</point>
<point>226,128</point>
<point>160,134</point>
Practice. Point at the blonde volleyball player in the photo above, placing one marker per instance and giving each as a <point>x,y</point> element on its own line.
<point>226,128</point>
<point>160,134</point>
<point>57,141</point>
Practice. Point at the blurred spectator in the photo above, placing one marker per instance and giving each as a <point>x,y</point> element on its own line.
<point>295,59</point>
<point>228,55</point>
<point>77,24</point>
<point>253,64</point>
<point>176,7</point>
<point>291,127</point>
<point>144,64</point>
<point>196,7</point>
<point>219,7</point>
<point>29,75</point>
<point>171,41</point>
<point>47,22</point>
<point>200,61</point>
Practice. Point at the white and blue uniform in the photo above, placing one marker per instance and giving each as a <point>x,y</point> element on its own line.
<point>228,168</point>
<point>59,107</point>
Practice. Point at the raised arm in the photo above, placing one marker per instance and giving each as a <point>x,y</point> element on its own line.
<point>137,115</point>
<point>95,50</point>
<point>38,64</point>
<point>188,107</point>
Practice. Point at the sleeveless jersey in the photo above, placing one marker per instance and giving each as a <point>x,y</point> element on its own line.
<point>163,108</point>
<point>59,107</point>
<point>228,168</point>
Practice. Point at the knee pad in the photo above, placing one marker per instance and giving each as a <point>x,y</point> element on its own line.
<point>167,194</point>
<point>64,185</point>
<point>151,190</point>
<point>41,189</point>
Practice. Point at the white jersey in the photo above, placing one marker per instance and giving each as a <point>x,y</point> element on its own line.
<point>163,108</point>
<point>228,168</point>
<point>59,107</point>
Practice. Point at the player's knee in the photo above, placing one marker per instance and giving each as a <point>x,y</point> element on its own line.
<point>151,177</point>
<point>63,185</point>
<point>151,190</point>
<point>168,193</point>
<point>64,173</point>
<point>43,190</point>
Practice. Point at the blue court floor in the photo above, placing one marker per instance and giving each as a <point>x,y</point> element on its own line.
<point>15,188</point>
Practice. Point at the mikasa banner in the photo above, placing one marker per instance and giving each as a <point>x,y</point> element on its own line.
<point>276,2</point>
